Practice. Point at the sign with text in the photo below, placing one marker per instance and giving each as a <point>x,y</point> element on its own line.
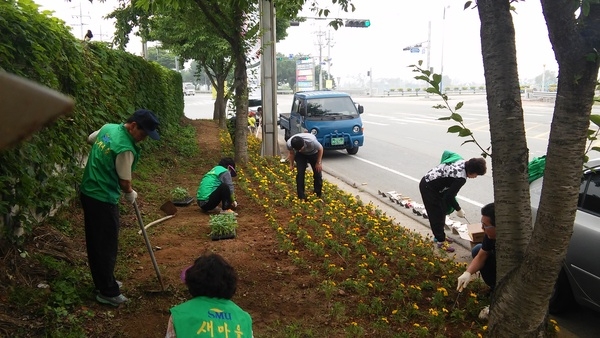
<point>305,79</point>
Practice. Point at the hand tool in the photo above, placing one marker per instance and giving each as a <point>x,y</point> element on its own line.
<point>148,246</point>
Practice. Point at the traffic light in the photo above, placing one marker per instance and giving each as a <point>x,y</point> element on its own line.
<point>357,23</point>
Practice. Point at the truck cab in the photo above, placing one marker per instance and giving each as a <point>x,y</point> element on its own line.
<point>333,117</point>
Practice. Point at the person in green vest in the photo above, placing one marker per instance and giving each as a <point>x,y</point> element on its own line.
<point>212,282</point>
<point>216,187</point>
<point>107,175</point>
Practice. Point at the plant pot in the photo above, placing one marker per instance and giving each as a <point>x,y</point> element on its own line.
<point>223,236</point>
<point>184,202</point>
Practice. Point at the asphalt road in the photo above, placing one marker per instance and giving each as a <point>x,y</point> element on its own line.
<point>404,139</point>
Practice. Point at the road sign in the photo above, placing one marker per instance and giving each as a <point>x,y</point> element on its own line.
<point>415,50</point>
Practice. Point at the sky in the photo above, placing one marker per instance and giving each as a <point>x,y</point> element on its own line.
<point>454,48</point>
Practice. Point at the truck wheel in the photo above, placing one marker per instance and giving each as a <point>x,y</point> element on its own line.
<point>286,135</point>
<point>352,151</point>
<point>562,295</point>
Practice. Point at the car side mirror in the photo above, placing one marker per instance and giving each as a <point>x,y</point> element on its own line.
<point>361,109</point>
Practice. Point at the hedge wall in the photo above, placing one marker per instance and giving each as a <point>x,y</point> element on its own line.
<point>107,86</point>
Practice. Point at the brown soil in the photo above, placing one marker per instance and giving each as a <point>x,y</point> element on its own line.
<point>271,288</point>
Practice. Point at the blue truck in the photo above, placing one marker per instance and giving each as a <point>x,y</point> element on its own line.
<point>332,116</point>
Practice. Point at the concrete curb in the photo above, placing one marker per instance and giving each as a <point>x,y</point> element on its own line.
<point>403,216</point>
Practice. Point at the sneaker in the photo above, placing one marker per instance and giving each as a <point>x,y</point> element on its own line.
<point>445,246</point>
<point>448,239</point>
<point>119,283</point>
<point>228,212</point>
<point>216,210</point>
<point>114,301</point>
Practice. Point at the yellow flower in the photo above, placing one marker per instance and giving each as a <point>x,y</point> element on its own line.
<point>415,306</point>
<point>394,312</point>
<point>416,325</point>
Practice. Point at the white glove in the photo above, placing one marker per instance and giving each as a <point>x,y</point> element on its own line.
<point>234,204</point>
<point>463,280</point>
<point>130,196</point>
<point>460,213</point>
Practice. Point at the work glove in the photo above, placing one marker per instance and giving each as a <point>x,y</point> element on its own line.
<point>460,213</point>
<point>130,196</point>
<point>234,204</point>
<point>463,280</point>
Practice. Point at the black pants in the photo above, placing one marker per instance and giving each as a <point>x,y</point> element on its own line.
<point>436,210</point>
<point>301,165</point>
<point>221,195</point>
<point>488,271</point>
<point>102,240</point>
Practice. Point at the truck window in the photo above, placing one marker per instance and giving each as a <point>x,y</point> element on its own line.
<point>331,106</point>
<point>298,105</point>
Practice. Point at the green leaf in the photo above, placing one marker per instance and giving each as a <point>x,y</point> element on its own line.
<point>595,119</point>
<point>465,132</point>
<point>468,141</point>
<point>456,117</point>
<point>459,105</point>
<point>455,129</point>
<point>445,118</point>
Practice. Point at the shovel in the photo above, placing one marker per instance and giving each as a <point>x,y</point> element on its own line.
<point>148,246</point>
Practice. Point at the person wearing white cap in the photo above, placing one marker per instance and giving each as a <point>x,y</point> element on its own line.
<point>107,174</point>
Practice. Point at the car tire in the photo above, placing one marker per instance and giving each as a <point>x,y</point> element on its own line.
<point>352,151</point>
<point>562,295</point>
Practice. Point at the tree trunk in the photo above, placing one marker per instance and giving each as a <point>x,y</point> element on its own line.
<point>240,83</point>
<point>509,160</point>
<point>527,273</point>
<point>220,111</point>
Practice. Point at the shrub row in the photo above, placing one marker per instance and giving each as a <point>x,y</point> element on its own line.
<point>107,86</point>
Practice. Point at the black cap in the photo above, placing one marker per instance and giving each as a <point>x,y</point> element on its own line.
<point>147,121</point>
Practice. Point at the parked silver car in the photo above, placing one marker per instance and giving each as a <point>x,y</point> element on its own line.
<point>579,278</point>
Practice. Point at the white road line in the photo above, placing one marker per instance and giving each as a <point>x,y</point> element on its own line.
<point>468,200</point>
<point>377,123</point>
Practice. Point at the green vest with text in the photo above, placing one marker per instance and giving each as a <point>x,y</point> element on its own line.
<point>100,179</point>
<point>211,317</point>
<point>209,183</point>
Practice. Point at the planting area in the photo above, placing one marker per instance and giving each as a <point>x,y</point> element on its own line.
<point>321,268</point>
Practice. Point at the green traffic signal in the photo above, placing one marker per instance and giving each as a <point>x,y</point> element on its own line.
<point>357,23</point>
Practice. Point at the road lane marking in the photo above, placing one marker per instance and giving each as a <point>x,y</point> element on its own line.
<point>468,200</point>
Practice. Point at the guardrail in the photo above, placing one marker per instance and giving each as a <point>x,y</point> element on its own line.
<point>542,96</point>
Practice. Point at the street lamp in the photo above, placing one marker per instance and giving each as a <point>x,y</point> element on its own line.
<point>442,56</point>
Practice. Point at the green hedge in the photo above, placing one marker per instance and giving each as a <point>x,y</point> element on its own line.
<point>107,86</point>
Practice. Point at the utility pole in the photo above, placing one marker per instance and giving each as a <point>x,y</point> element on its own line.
<point>80,17</point>
<point>268,69</point>
<point>329,45</point>
<point>320,43</point>
<point>370,81</point>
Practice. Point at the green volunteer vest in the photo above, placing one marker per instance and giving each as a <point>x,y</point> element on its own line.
<point>100,180</point>
<point>211,317</point>
<point>209,183</point>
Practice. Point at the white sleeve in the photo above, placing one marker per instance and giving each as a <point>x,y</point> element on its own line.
<point>123,164</point>
<point>92,137</point>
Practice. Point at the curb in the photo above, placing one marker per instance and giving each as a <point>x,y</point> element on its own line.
<point>403,216</point>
